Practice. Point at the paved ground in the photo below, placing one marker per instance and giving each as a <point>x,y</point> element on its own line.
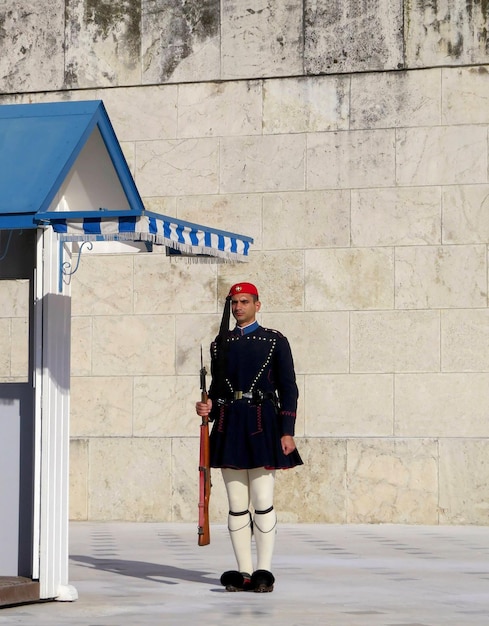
<point>327,575</point>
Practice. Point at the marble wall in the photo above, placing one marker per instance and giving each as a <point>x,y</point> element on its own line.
<point>360,167</point>
<point>79,44</point>
<point>14,326</point>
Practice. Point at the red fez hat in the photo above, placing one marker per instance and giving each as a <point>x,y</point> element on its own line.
<point>243,288</point>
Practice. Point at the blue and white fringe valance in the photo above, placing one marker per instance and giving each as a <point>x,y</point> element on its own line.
<point>188,238</point>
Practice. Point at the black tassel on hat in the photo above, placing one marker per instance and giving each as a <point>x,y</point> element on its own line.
<point>226,314</point>
<point>219,374</point>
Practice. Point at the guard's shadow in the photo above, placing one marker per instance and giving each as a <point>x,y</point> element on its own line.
<point>156,572</point>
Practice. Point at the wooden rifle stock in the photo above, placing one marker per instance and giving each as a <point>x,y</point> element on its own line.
<point>204,468</point>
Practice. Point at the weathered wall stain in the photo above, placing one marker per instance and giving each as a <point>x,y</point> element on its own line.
<point>31,45</point>
<point>106,15</point>
<point>101,37</point>
<point>53,44</point>
<point>180,25</point>
<point>457,29</point>
<point>353,33</point>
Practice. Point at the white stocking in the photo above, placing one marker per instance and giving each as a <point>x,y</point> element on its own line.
<point>239,524</point>
<point>262,483</point>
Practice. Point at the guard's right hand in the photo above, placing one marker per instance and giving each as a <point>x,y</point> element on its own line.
<point>203,408</point>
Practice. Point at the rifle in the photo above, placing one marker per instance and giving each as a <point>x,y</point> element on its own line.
<point>204,466</point>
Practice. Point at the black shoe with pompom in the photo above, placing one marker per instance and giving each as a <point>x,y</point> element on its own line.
<point>236,581</point>
<point>262,581</point>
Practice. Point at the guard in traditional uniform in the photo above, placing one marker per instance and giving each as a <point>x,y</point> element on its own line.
<point>252,403</point>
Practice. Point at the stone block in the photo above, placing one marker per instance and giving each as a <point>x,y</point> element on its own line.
<point>464,481</point>
<point>164,406</point>
<point>310,219</point>
<point>102,44</point>
<point>314,492</point>
<point>129,479</point>
<point>351,279</point>
<point>305,104</point>
<point>14,298</point>
<point>392,481</point>
<point>395,99</point>
<point>226,212</point>
<point>14,329</point>
<point>265,163</point>
<point>220,109</point>
<point>185,478</point>
<point>180,41</point>
<point>261,38</point>
<point>465,214</point>
<point>352,36</point>
<point>396,216</point>
<point>143,113</point>
<point>133,345</point>
<point>441,277</point>
<point>448,33</point>
<point>129,151</point>
<point>5,346</point>
<point>79,486</point>
<point>351,159</point>
<point>465,340</point>
<point>395,341</point>
<point>465,98</point>
<point>102,285</point>
<point>19,357</point>
<point>162,287</point>
<point>102,406</point>
<point>164,206</point>
<point>442,405</point>
<point>354,405</point>
<point>319,341</point>
<point>81,346</point>
<point>443,155</point>
<point>177,166</point>
<point>192,332</point>
<point>32,45</point>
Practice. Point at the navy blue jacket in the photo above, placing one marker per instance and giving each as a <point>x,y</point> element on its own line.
<point>255,402</point>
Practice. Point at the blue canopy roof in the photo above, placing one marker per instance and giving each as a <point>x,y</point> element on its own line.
<point>39,145</point>
<point>61,165</point>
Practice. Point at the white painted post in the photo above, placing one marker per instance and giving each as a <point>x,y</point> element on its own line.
<point>52,379</point>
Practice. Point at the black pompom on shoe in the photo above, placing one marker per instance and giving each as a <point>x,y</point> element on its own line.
<point>236,581</point>
<point>262,581</point>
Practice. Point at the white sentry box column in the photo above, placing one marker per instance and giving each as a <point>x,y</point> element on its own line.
<point>52,408</point>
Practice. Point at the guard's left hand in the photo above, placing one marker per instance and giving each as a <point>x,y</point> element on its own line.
<point>288,444</point>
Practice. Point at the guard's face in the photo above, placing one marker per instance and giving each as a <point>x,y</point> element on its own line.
<point>244,309</point>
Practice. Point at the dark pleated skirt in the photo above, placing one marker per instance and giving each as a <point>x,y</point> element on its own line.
<point>246,436</point>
